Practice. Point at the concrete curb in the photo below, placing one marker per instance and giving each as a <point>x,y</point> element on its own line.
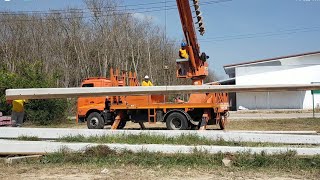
<point>55,133</point>
<point>43,147</point>
<point>16,160</point>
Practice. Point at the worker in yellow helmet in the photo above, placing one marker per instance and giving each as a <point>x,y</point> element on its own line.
<point>17,112</point>
<point>146,81</point>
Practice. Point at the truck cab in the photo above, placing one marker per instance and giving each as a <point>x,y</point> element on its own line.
<point>87,105</point>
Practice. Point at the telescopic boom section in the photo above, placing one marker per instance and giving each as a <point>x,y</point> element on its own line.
<point>198,67</point>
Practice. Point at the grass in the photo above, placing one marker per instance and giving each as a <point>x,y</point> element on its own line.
<point>63,124</point>
<point>156,139</point>
<point>103,155</point>
<point>28,138</point>
<point>302,124</point>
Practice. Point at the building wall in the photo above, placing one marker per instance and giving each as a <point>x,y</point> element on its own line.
<point>285,74</point>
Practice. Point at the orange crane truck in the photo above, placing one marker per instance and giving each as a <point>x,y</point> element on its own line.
<point>200,109</point>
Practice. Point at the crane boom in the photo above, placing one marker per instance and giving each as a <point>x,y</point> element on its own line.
<point>197,67</point>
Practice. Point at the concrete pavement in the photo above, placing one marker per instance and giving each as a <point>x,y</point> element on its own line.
<point>55,133</point>
<point>43,147</point>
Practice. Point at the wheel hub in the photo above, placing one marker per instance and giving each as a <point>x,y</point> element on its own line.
<point>94,121</point>
<point>176,123</point>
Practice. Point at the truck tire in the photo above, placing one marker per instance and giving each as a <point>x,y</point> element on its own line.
<point>95,121</point>
<point>177,121</point>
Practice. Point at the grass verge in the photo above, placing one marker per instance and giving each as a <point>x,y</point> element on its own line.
<point>178,140</point>
<point>28,138</point>
<point>302,124</point>
<point>103,155</point>
<point>68,123</point>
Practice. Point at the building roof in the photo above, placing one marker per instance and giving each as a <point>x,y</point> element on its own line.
<point>223,82</point>
<point>269,60</point>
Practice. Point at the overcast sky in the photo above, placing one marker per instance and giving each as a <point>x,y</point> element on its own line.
<point>236,30</point>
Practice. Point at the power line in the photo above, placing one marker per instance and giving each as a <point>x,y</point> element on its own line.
<point>109,8</point>
<point>77,17</point>
<point>264,34</point>
<point>75,11</point>
<point>214,2</point>
<point>160,8</point>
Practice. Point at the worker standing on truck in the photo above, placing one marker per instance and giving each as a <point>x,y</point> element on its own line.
<point>183,54</point>
<point>17,112</point>
<point>146,81</point>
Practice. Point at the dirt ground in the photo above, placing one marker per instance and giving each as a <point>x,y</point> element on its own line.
<point>84,172</point>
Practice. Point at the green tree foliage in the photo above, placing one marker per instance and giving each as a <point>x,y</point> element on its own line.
<point>7,80</point>
<point>32,76</point>
<point>44,112</point>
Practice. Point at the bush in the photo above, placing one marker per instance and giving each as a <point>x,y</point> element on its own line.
<point>41,112</point>
<point>44,112</point>
<point>7,81</point>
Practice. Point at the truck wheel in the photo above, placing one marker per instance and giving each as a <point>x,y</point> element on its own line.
<point>95,121</point>
<point>177,121</point>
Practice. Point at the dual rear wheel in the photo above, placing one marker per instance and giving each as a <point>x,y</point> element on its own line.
<point>178,121</point>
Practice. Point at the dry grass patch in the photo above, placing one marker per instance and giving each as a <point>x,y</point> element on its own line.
<point>303,124</point>
<point>128,172</point>
<point>241,161</point>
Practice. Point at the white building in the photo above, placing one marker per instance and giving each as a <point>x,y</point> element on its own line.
<point>294,69</point>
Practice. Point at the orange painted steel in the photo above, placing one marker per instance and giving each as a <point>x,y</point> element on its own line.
<point>218,102</point>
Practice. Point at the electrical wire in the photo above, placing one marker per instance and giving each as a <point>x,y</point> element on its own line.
<point>264,34</point>
<point>160,8</point>
<point>109,8</point>
<point>90,16</point>
<point>164,7</point>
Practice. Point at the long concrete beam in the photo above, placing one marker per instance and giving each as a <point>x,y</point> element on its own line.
<point>49,93</point>
<point>55,133</point>
<point>43,147</point>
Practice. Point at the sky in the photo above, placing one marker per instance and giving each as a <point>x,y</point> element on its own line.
<point>236,30</point>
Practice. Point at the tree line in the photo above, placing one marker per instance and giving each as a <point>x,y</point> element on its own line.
<point>61,48</point>
<point>74,44</point>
